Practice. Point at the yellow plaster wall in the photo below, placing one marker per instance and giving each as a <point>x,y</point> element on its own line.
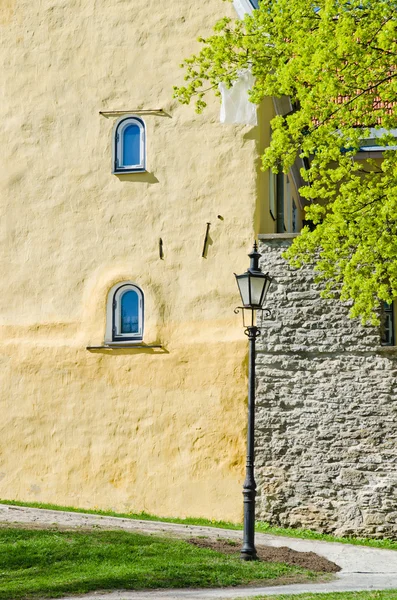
<point>263,218</point>
<point>265,221</point>
<point>159,430</point>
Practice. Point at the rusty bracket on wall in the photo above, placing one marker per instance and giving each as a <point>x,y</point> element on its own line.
<point>160,112</point>
<point>206,240</point>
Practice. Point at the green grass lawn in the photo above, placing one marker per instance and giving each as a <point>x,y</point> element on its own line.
<point>51,563</point>
<point>261,526</point>
<point>386,595</point>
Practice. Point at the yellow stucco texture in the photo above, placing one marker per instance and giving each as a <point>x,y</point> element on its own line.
<point>119,431</point>
<point>160,430</point>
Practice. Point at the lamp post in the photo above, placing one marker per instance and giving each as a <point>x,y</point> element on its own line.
<point>253,286</point>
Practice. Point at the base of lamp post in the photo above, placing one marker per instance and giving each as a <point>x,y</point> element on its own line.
<point>245,556</point>
<point>248,550</point>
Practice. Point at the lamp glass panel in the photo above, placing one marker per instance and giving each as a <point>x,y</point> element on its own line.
<point>244,289</point>
<point>257,285</point>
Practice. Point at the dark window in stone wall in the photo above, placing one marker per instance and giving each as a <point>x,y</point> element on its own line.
<point>388,325</point>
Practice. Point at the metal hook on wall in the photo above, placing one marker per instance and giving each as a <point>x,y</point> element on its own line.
<point>205,246</point>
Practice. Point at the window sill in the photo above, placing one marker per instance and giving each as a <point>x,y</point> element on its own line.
<point>387,349</point>
<point>122,345</point>
<point>129,171</point>
<point>277,236</point>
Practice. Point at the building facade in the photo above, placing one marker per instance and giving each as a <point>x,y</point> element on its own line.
<point>124,216</point>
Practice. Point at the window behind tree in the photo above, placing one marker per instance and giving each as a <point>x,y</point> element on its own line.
<point>388,325</point>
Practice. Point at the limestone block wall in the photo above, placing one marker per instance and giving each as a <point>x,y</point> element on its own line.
<point>326,411</point>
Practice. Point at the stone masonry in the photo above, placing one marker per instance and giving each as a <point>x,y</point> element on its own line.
<point>326,430</point>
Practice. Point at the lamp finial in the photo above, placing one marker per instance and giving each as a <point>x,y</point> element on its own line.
<point>254,256</point>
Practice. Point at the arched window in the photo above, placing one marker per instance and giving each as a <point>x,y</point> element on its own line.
<point>129,145</point>
<point>124,313</point>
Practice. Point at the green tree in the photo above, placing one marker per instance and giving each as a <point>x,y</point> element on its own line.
<point>337,61</point>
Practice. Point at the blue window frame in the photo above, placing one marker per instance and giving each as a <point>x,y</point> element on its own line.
<point>127,313</point>
<point>129,145</point>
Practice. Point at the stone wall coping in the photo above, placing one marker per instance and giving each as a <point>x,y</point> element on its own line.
<point>277,236</point>
<point>387,349</point>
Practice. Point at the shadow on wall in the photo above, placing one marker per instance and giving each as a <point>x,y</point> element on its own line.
<point>145,177</point>
<point>252,134</point>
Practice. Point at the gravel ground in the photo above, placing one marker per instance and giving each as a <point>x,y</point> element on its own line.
<point>307,560</point>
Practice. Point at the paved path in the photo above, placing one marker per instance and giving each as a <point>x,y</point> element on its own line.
<point>363,568</point>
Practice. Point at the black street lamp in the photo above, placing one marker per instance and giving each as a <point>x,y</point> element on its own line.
<point>253,286</point>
